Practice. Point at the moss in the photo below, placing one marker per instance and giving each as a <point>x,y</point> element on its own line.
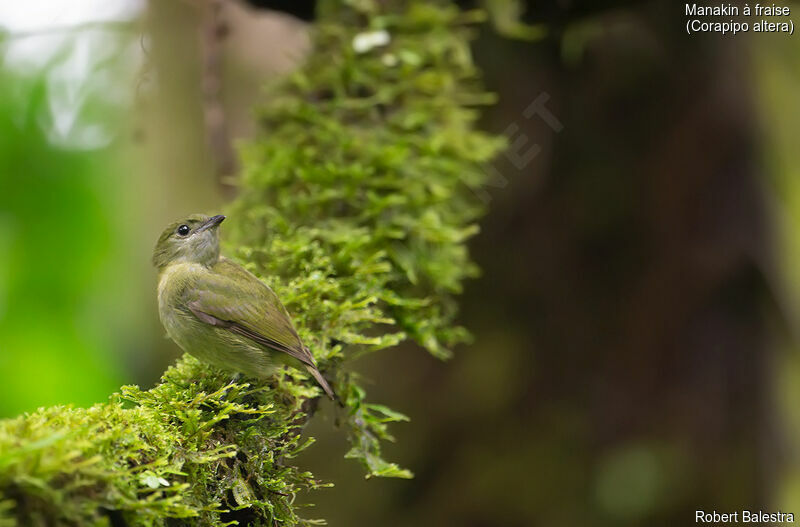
<point>354,204</point>
<point>195,446</point>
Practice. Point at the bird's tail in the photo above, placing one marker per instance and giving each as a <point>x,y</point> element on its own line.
<point>322,382</point>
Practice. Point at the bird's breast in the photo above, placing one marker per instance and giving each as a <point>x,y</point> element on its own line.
<point>172,285</point>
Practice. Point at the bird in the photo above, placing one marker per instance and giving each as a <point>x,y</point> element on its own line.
<point>217,311</point>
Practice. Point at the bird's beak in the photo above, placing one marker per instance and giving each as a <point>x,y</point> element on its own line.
<point>211,223</point>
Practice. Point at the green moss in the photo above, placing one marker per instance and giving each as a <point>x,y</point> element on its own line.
<point>355,204</point>
<point>195,446</point>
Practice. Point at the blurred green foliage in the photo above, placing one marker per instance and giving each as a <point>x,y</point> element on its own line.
<point>778,77</point>
<point>55,242</point>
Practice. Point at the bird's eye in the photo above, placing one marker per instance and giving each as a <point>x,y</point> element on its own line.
<point>183,230</point>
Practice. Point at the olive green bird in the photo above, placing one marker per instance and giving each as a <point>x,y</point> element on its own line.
<point>216,310</point>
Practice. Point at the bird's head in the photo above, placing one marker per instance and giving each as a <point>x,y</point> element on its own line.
<point>191,240</point>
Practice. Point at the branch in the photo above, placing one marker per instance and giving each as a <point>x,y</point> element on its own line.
<point>225,163</point>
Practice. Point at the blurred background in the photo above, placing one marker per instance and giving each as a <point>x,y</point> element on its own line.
<point>635,353</point>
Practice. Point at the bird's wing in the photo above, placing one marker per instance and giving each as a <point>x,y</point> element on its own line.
<point>232,298</point>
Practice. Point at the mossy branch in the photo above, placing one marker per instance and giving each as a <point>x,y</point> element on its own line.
<point>355,207</point>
